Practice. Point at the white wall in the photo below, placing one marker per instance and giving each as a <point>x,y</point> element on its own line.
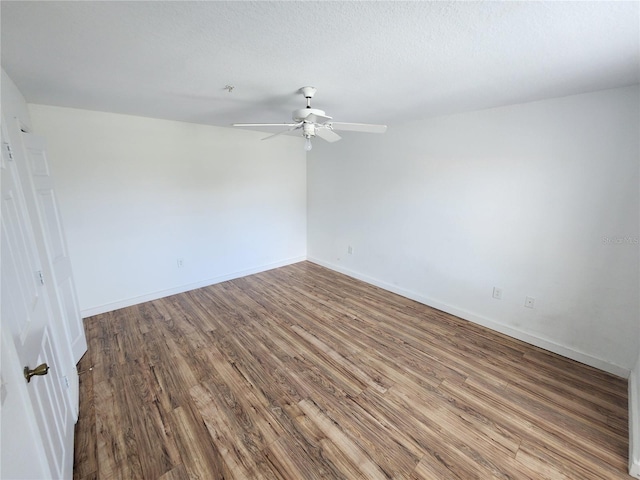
<point>539,199</point>
<point>136,194</point>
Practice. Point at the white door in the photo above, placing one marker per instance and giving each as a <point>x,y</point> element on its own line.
<point>19,434</point>
<point>63,293</point>
<point>39,412</point>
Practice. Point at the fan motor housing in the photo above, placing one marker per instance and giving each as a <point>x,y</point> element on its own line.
<point>301,114</point>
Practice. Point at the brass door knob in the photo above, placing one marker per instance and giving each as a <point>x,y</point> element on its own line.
<point>39,370</point>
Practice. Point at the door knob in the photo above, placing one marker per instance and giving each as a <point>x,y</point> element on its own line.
<point>39,370</point>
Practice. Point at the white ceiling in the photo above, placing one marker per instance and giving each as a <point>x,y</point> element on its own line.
<point>376,62</point>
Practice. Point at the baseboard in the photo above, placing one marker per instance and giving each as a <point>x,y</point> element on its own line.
<point>128,302</point>
<point>485,322</point>
<point>634,422</point>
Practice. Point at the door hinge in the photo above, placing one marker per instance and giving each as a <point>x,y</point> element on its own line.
<point>41,277</point>
<point>9,151</point>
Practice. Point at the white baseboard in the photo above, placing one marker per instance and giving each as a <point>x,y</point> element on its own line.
<point>485,322</point>
<point>127,302</point>
<point>634,422</point>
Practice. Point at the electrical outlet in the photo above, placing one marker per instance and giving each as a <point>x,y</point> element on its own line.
<point>350,250</point>
<point>180,262</point>
<point>529,302</point>
<point>497,293</point>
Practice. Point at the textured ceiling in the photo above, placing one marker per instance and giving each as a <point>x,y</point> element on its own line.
<point>376,62</point>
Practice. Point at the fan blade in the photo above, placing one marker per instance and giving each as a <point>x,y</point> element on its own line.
<point>327,134</point>
<point>294,127</point>
<point>359,127</point>
<point>316,118</point>
<point>263,124</point>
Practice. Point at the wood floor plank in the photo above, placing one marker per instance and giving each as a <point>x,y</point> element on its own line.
<point>289,459</point>
<point>200,455</point>
<point>342,443</point>
<point>536,430</point>
<point>554,464</point>
<point>607,448</point>
<point>419,438</point>
<point>85,450</point>
<point>445,410</point>
<point>303,373</point>
<point>366,428</point>
<point>150,430</point>
<point>118,457</point>
<point>239,442</point>
<point>177,473</point>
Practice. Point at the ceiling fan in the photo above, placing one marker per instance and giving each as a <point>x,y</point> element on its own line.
<point>313,122</point>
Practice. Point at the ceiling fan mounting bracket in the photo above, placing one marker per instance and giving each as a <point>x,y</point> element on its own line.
<point>308,92</point>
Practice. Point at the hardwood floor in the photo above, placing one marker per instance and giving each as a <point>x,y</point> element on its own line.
<point>303,373</point>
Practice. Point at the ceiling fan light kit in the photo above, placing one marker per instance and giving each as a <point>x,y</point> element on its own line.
<point>314,122</point>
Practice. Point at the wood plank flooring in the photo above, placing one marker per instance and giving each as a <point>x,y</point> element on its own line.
<point>303,373</point>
